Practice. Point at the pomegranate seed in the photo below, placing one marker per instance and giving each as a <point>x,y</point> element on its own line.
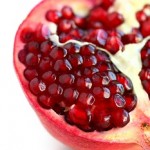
<point>53,16</point>
<point>146,85</point>
<point>86,99</point>
<point>84,83</point>
<point>22,56</point>
<point>44,64</point>
<point>48,77</point>
<point>75,60</point>
<point>41,35</point>
<point>76,34</point>
<point>66,79</point>
<point>27,35</point>
<point>72,48</point>
<point>131,101</point>
<point>65,26</point>
<point>31,60</point>
<point>113,44</point>
<point>89,61</point>
<point>102,56</point>
<point>101,119</point>
<point>67,12</point>
<point>145,28</point>
<point>55,90</point>
<point>80,117</point>
<point>140,16</point>
<point>89,72</point>
<point>58,53</point>
<point>117,88</point>
<point>98,92</point>
<point>33,47</point>
<point>146,62</point>
<point>62,65</point>
<point>126,82</point>
<point>37,86</point>
<point>145,53</point>
<point>46,47</point>
<point>120,117</point>
<point>87,50</point>
<point>91,36</point>
<point>114,20</point>
<point>145,74</point>
<point>65,37</point>
<point>30,73</point>
<point>46,101</point>
<point>71,95</point>
<point>103,66</point>
<point>98,14</point>
<point>131,38</point>
<point>107,3</point>
<point>79,21</point>
<point>97,79</point>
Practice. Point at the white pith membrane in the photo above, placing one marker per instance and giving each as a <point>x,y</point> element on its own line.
<point>129,63</point>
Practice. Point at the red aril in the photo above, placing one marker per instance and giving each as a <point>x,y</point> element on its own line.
<point>84,95</point>
<point>67,12</point>
<point>133,37</point>
<point>98,14</point>
<point>113,44</point>
<point>143,17</point>
<point>145,28</point>
<point>114,20</point>
<point>53,16</point>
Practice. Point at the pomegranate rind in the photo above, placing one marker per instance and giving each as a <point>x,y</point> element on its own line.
<point>118,139</point>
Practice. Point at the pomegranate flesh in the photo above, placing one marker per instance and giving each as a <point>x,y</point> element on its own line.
<point>89,88</point>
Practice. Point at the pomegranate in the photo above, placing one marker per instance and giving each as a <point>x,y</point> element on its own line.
<point>88,87</point>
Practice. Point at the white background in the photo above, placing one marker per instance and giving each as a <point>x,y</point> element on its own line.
<point>20,128</point>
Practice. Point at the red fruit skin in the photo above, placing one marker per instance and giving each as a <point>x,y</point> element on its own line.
<point>77,139</point>
<point>55,124</point>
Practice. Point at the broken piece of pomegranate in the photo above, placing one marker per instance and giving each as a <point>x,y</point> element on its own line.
<point>86,91</point>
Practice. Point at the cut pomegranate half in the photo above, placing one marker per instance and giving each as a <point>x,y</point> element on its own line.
<point>84,95</point>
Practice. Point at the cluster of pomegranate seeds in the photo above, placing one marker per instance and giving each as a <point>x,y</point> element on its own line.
<point>145,71</point>
<point>94,28</point>
<point>143,17</point>
<point>99,27</point>
<point>79,82</point>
